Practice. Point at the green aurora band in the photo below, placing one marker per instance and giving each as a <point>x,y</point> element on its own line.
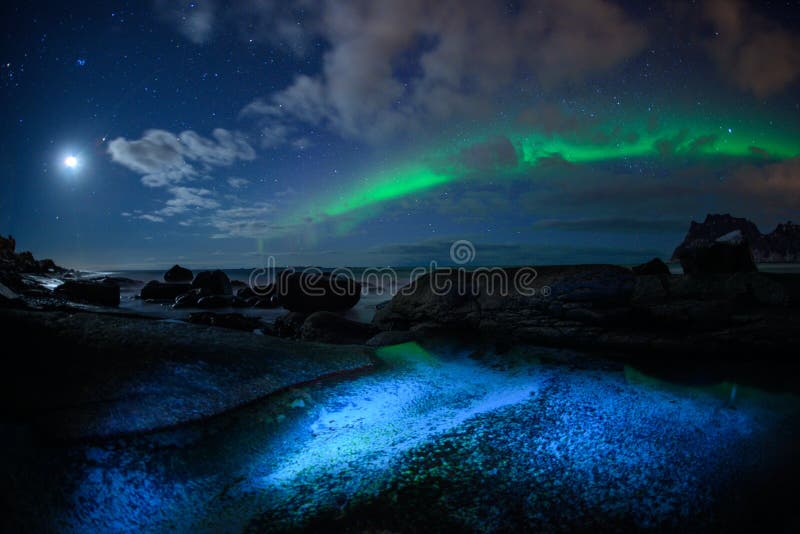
<point>676,141</point>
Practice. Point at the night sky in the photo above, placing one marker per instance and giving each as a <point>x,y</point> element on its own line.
<point>377,132</point>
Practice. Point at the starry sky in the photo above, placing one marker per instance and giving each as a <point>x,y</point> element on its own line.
<point>338,133</point>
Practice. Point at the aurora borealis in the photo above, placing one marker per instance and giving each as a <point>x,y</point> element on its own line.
<point>362,133</point>
<point>683,139</point>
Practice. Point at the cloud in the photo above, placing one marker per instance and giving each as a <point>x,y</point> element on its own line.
<point>186,198</point>
<point>255,221</point>
<point>194,20</point>
<point>238,183</point>
<point>776,184</point>
<point>280,23</point>
<point>151,218</point>
<point>489,155</point>
<point>755,53</point>
<point>395,66</point>
<point>164,158</point>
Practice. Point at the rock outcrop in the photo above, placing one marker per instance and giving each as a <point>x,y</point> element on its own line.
<point>176,273</point>
<point>328,327</point>
<point>90,292</point>
<point>309,292</point>
<point>607,307</point>
<point>728,254</point>
<point>164,292</point>
<point>781,245</point>
<point>213,283</point>
<point>652,267</point>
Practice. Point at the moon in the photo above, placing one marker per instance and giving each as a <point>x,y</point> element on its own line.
<point>71,162</point>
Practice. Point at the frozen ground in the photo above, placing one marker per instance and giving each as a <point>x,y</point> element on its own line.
<point>436,438</point>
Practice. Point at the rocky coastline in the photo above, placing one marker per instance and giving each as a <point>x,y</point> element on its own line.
<point>724,311</point>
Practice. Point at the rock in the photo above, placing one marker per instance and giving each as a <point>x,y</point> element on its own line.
<point>103,294</point>
<point>392,337</point>
<point>236,321</point>
<point>310,292</point>
<point>7,245</point>
<point>756,288</point>
<point>160,291</point>
<point>8,297</point>
<point>187,300</point>
<point>215,301</point>
<point>289,324</point>
<point>781,245</point>
<point>730,256</point>
<point>652,267</point>
<point>328,327</point>
<point>178,274</point>
<point>215,282</point>
<point>648,289</point>
<point>530,303</point>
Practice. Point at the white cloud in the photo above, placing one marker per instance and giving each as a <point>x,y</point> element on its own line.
<point>186,198</point>
<point>151,218</point>
<point>463,54</point>
<point>238,183</point>
<point>164,158</point>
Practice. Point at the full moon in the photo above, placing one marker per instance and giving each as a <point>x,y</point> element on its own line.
<point>71,162</point>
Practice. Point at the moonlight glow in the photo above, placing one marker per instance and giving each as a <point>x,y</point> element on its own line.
<point>71,162</point>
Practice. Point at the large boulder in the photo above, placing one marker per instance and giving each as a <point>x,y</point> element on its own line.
<point>159,291</point>
<point>730,253</point>
<point>176,273</point>
<point>101,293</point>
<point>652,267</point>
<point>312,291</point>
<point>213,282</point>
<point>328,327</point>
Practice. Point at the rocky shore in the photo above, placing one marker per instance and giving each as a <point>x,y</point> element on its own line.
<point>128,373</point>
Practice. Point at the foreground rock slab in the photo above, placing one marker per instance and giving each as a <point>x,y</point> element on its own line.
<point>90,375</point>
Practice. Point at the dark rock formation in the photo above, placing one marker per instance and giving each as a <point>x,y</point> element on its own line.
<point>236,321</point>
<point>652,267</point>
<point>782,245</point>
<point>728,254</point>
<point>178,274</point>
<point>310,292</point>
<point>289,324</point>
<point>329,327</point>
<point>103,294</point>
<point>9,298</point>
<point>263,298</point>
<point>597,306</point>
<point>159,291</point>
<point>187,300</point>
<point>213,282</point>
<point>129,374</point>
<point>23,262</point>
<point>8,245</point>
<point>472,304</point>
<point>215,301</point>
